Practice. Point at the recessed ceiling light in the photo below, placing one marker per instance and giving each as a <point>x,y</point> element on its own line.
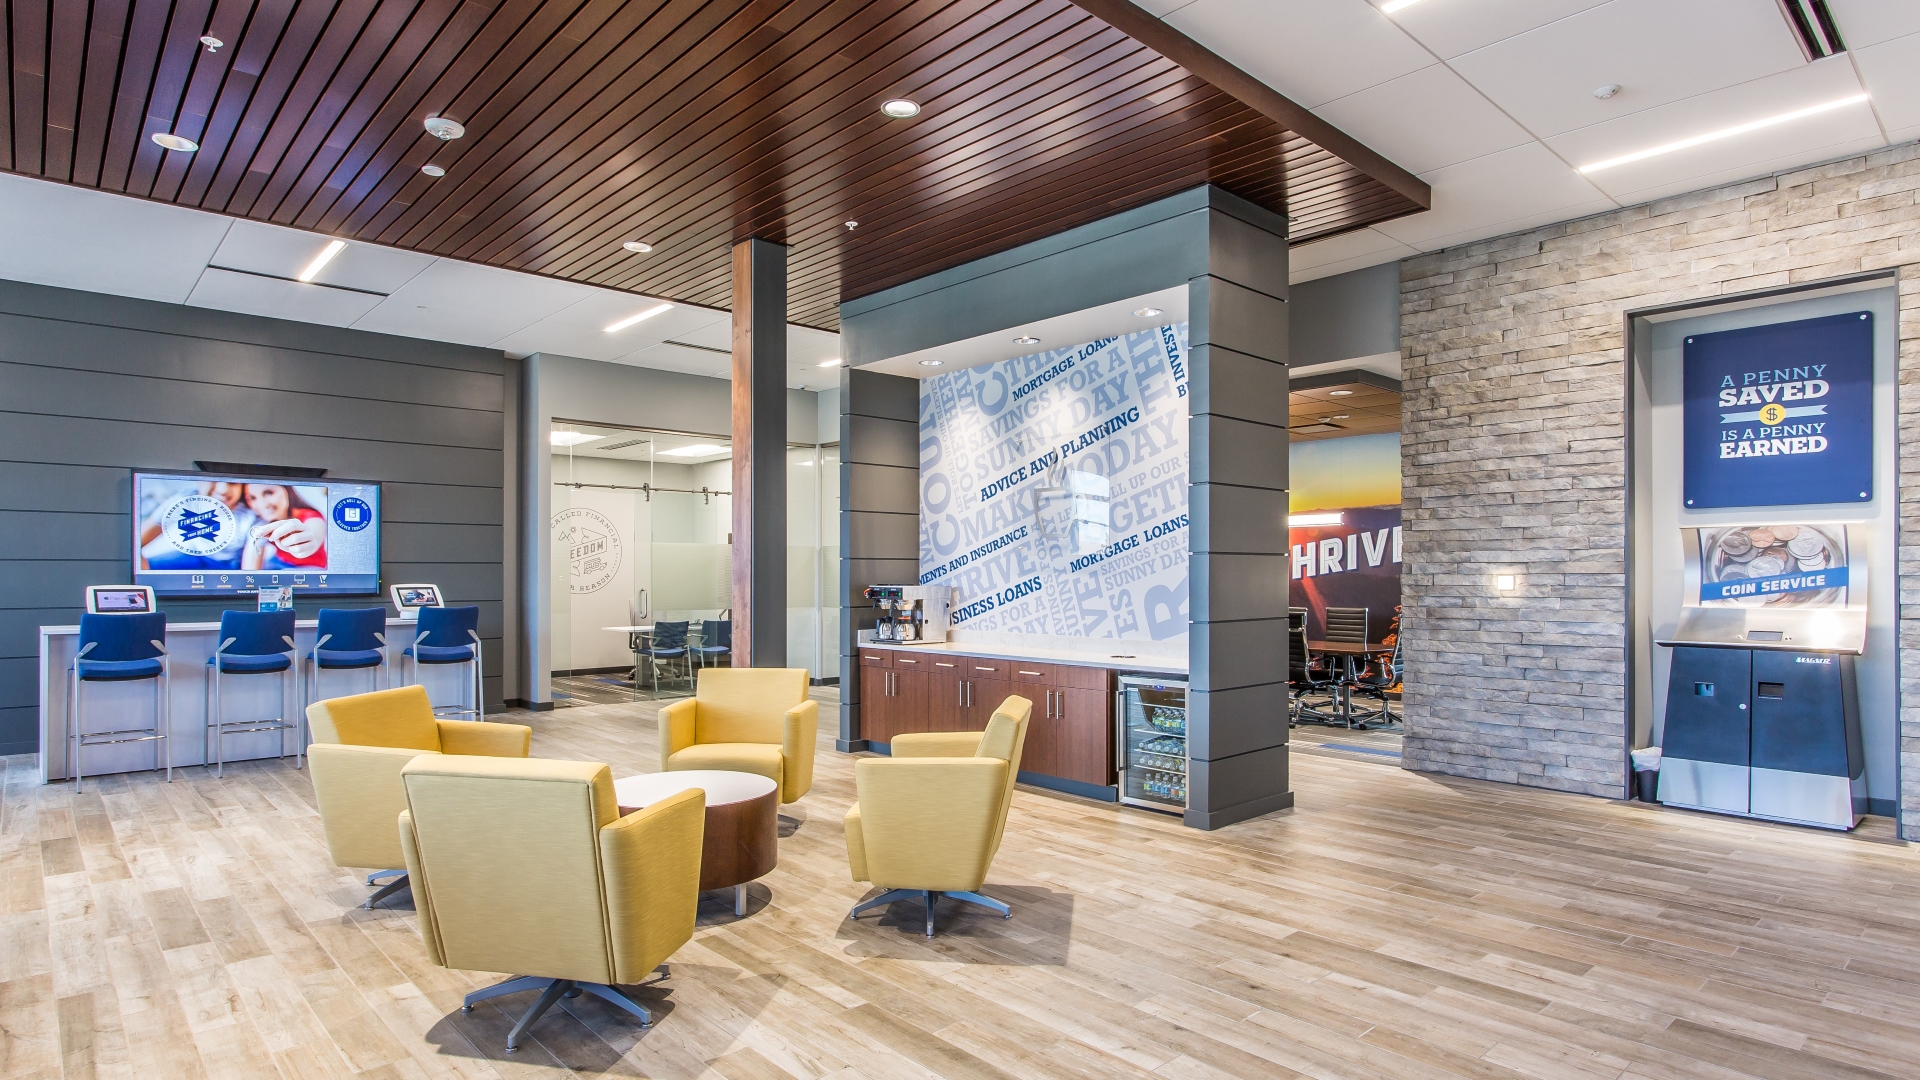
<point>642,317</point>
<point>851,225</point>
<point>1026,339</point>
<point>637,247</point>
<point>572,438</point>
<point>835,362</point>
<point>696,450</point>
<point>1339,393</point>
<point>1607,91</point>
<point>212,43</point>
<point>321,260</point>
<point>175,142</point>
<point>932,363</point>
<point>1149,312</point>
<point>433,170</point>
<point>1392,6</point>
<point>1723,133</point>
<point>1339,416</point>
<point>899,108</point>
<point>444,129</point>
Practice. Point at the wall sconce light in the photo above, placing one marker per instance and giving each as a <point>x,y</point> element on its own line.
<point>1505,583</point>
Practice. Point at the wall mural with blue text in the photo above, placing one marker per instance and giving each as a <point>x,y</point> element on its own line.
<point>1053,489</point>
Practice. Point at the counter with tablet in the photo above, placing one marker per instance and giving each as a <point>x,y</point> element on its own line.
<point>188,647</point>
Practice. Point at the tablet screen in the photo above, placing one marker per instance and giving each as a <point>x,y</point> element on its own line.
<point>120,601</point>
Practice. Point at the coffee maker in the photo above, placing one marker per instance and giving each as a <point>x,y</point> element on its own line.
<point>911,614</point>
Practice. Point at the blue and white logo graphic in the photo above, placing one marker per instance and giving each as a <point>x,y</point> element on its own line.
<point>352,514</point>
<point>198,525</point>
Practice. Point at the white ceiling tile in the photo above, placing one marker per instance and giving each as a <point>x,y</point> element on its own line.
<point>1488,192</point>
<point>1801,156</point>
<point>283,252</point>
<point>581,329</point>
<point>1360,262</point>
<point>1424,121</point>
<point>1828,80</point>
<point>251,294</point>
<point>470,305</point>
<point>1359,244</point>
<point>1869,22</point>
<point>1313,51</point>
<point>1452,27</point>
<point>1892,74</point>
<point>807,346</point>
<point>675,358</point>
<point>1161,8</point>
<point>80,239</point>
<point>714,335</point>
<point>1658,51</point>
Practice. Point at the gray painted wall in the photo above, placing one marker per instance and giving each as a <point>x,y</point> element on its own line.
<point>94,386</point>
<point>1347,315</point>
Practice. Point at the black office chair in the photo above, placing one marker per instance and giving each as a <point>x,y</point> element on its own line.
<point>1347,625</point>
<point>1379,677</point>
<point>1304,677</point>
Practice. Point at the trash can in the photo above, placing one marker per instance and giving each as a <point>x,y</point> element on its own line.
<point>1646,774</point>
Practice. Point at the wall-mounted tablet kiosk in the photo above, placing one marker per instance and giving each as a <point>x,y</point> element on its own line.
<point>409,599</point>
<point>119,599</point>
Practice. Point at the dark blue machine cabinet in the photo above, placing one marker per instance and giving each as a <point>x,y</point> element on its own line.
<point>1765,733</point>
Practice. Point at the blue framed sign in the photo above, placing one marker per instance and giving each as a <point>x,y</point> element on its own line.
<point>1780,415</point>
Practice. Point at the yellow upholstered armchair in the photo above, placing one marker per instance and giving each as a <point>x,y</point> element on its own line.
<point>528,867</point>
<point>755,720</point>
<point>360,744</point>
<point>929,819</point>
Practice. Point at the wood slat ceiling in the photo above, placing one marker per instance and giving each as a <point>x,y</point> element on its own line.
<point>684,123</point>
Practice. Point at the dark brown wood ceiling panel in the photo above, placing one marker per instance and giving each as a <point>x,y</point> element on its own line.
<point>685,123</point>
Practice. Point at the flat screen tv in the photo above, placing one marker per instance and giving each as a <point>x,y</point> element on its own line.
<point>205,534</point>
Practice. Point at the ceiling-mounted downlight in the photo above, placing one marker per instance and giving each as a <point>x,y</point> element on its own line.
<point>638,247</point>
<point>175,142</point>
<point>899,108</point>
<point>433,171</point>
<point>444,129</point>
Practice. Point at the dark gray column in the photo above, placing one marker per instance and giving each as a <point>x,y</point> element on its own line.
<point>759,454</point>
<point>1237,438</point>
<point>879,513</point>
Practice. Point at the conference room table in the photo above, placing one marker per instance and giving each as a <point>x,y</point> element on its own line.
<point>1343,691</point>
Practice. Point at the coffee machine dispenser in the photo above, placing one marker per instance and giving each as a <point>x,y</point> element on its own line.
<point>911,614</point>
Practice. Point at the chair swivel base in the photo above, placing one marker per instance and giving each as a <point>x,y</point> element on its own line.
<point>553,990</point>
<point>929,898</point>
<point>386,890</point>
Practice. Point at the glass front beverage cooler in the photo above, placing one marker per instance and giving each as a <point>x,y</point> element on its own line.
<point>1152,741</point>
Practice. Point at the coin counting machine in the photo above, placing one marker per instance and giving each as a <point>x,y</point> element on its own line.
<point>1763,714</point>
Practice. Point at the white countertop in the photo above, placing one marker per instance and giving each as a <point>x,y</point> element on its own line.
<point>203,627</point>
<point>1119,660</point>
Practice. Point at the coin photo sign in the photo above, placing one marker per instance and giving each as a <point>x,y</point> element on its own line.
<point>1780,415</point>
<point>1798,566</point>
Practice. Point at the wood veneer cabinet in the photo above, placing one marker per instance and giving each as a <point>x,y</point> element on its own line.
<point>1070,735</point>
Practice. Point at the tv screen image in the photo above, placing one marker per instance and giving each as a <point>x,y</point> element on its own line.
<point>197,533</point>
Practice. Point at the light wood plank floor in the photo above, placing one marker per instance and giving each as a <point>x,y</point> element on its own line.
<point>1392,926</point>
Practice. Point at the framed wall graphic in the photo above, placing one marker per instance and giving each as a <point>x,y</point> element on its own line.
<point>1781,414</point>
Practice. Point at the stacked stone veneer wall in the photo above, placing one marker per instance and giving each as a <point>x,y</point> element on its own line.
<point>1514,454</point>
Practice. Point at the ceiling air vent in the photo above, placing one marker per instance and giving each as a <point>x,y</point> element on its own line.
<point>1813,27</point>
<point>623,445</point>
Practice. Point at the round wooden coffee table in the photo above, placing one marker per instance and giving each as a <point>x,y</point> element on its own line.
<point>743,812</point>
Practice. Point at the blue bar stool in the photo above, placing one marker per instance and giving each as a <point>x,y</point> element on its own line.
<point>358,639</point>
<point>251,643</point>
<point>716,641</point>
<point>122,648</point>
<point>451,635</point>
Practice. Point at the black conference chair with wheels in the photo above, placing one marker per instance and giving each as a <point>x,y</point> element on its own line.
<point>1345,626</point>
<point>252,643</point>
<point>1379,677</point>
<point>1305,675</point>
